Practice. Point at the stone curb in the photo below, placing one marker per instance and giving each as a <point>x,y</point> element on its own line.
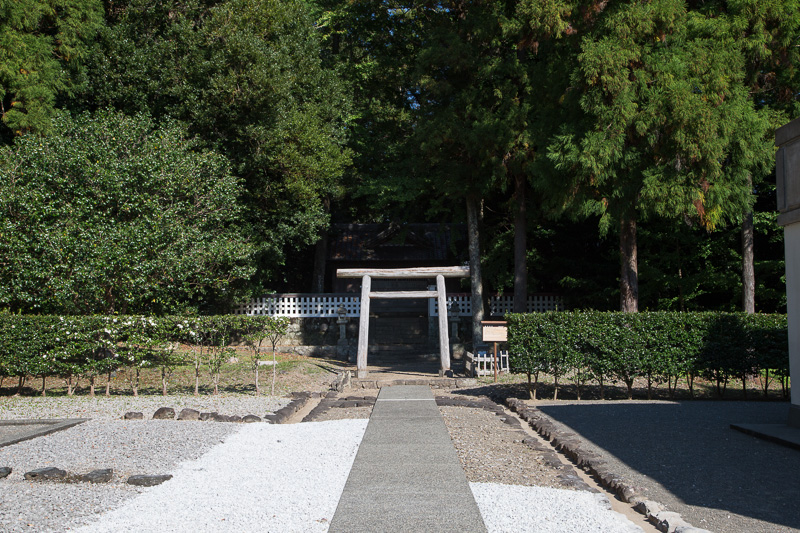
<point>570,445</point>
<point>53,425</point>
<point>435,383</point>
<point>300,399</point>
<point>279,417</point>
<point>148,480</point>
<point>57,475</point>
<point>329,400</point>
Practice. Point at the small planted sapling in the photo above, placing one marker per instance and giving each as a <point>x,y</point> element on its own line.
<point>277,329</point>
<point>257,332</point>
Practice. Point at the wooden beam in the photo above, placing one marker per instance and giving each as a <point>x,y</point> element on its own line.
<point>363,329</point>
<point>404,294</point>
<point>404,273</point>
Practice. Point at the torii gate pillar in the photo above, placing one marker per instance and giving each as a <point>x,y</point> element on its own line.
<point>367,293</point>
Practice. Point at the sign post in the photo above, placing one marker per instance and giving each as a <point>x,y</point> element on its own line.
<point>495,331</point>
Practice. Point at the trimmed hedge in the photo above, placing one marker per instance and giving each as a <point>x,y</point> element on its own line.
<point>88,346</point>
<point>661,347</point>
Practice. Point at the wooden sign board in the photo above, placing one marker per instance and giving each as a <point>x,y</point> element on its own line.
<point>495,332</point>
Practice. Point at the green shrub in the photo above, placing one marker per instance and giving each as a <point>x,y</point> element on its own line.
<point>83,347</point>
<point>659,346</point>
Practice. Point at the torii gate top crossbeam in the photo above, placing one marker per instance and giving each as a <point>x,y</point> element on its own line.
<point>404,273</point>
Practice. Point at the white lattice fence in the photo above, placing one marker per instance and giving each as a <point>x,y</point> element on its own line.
<point>302,305</point>
<point>327,305</point>
<point>500,304</point>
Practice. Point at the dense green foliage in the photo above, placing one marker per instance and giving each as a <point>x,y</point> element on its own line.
<point>43,44</point>
<point>658,346</point>
<point>659,112</point>
<point>87,346</point>
<point>245,77</point>
<point>650,120</point>
<point>110,213</point>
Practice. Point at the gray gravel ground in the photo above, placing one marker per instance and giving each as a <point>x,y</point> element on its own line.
<point>114,407</point>
<point>129,447</point>
<point>492,452</point>
<point>685,456</point>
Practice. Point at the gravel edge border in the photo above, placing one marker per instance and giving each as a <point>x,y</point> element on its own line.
<point>54,425</point>
<point>299,400</point>
<point>570,445</point>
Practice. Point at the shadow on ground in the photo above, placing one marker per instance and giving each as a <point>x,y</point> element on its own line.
<point>690,450</point>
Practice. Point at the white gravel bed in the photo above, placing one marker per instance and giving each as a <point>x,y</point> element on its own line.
<point>519,509</point>
<point>289,478</point>
<point>129,447</point>
<point>114,407</point>
<point>282,478</point>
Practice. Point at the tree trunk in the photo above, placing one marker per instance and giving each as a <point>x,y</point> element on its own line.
<point>475,279</point>
<point>748,271</point>
<point>196,377</point>
<point>20,385</point>
<point>629,271</point>
<point>274,370</point>
<point>520,249</point>
<point>44,385</point>
<point>135,382</point>
<point>108,384</point>
<point>91,385</point>
<point>320,257</point>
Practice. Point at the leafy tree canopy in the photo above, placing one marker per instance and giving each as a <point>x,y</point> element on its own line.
<point>246,76</point>
<point>110,213</point>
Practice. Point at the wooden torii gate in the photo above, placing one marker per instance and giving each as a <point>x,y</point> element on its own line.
<point>366,276</point>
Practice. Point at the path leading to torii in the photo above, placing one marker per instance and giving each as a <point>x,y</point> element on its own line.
<point>407,475</point>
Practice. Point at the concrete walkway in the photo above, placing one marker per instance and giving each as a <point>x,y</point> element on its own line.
<point>406,475</point>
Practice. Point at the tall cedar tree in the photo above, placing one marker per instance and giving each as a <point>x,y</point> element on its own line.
<point>670,129</point>
<point>769,31</point>
<point>42,46</point>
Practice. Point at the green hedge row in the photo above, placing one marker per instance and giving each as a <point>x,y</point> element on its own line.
<point>76,347</point>
<point>602,347</point>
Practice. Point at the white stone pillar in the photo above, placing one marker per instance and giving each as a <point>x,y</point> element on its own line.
<point>444,339</point>
<point>787,139</point>
<point>363,328</point>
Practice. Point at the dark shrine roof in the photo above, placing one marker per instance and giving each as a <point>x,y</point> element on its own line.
<point>393,242</point>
